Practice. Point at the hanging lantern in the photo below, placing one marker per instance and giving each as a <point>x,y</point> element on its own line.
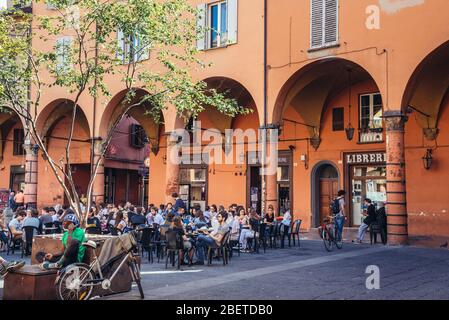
<point>428,159</point>
<point>349,129</point>
<point>349,132</point>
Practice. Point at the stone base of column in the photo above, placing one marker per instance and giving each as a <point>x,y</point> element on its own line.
<point>30,191</point>
<point>397,225</point>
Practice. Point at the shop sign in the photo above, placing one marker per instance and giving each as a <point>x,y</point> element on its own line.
<point>255,159</point>
<point>366,158</point>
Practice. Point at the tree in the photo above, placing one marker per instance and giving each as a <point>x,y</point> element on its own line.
<point>146,44</point>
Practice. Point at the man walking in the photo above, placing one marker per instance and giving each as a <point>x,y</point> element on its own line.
<point>339,211</point>
<point>19,199</point>
<point>179,203</point>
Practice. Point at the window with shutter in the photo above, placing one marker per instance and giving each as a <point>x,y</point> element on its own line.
<point>63,53</point>
<point>137,136</point>
<point>220,19</point>
<point>131,48</point>
<point>338,121</point>
<point>323,23</point>
<point>370,118</point>
<point>18,149</point>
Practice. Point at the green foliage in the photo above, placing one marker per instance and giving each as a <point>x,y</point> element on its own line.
<point>157,53</point>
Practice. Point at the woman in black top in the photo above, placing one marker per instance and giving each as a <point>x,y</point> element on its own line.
<point>178,227</point>
<point>92,220</point>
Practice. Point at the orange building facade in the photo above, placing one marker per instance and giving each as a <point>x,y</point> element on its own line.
<point>375,71</point>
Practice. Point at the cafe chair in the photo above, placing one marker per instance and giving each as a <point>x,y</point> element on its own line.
<point>260,238</point>
<point>147,243</point>
<point>285,232</point>
<point>221,250</point>
<point>29,232</point>
<point>173,249</point>
<point>160,241</point>
<point>49,228</point>
<point>275,234</point>
<point>13,244</point>
<point>235,244</point>
<point>296,227</point>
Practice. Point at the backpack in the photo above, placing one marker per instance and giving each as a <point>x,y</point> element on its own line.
<point>335,207</point>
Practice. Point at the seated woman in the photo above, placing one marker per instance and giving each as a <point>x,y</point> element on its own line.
<point>187,244</point>
<point>235,230</point>
<point>246,232</point>
<point>92,220</point>
<point>120,222</point>
<point>72,240</point>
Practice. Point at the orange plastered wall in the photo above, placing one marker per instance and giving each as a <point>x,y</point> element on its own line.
<point>428,190</point>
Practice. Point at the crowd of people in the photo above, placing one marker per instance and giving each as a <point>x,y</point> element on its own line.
<point>214,222</point>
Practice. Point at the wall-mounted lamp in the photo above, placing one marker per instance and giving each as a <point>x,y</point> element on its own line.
<point>292,148</point>
<point>304,159</point>
<point>428,159</point>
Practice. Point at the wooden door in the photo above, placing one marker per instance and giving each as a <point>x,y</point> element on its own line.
<point>328,192</point>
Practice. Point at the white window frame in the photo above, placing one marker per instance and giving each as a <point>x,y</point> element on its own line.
<point>324,44</point>
<point>62,63</point>
<point>209,24</point>
<point>127,47</point>
<point>367,137</point>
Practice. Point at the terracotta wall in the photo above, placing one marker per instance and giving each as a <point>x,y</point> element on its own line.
<point>427,190</point>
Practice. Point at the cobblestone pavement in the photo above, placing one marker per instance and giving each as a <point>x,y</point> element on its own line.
<point>308,272</point>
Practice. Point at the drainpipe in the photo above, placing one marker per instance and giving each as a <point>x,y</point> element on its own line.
<point>265,107</point>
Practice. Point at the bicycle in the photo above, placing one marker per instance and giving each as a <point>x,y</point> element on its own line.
<point>76,282</point>
<point>327,233</point>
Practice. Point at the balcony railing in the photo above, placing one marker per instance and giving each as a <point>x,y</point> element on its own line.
<point>370,135</point>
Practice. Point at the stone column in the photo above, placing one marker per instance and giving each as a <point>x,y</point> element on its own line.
<point>172,167</point>
<point>31,166</point>
<point>98,186</point>
<point>396,187</point>
<point>271,172</point>
<point>272,193</point>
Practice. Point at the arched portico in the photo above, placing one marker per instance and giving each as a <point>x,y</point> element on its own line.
<point>117,123</point>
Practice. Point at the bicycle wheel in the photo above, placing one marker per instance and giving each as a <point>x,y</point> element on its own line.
<point>327,240</point>
<point>338,240</point>
<point>135,273</point>
<point>75,283</point>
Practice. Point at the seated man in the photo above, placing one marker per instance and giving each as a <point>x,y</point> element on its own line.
<point>6,266</point>
<point>370,217</point>
<point>16,224</point>
<point>33,221</point>
<point>213,239</point>
<point>72,240</point>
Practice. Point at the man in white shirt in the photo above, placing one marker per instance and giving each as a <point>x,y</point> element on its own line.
<point>286,222</point>
<point>155,217</point>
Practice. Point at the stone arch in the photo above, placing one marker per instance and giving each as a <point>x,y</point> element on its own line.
<point>313,86</point>
<point>115,108</point>
<point>234,89</point>
<point>57,110</point>
<point>8,120</point>
<point>427,89</point>
<point>315,186</point>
